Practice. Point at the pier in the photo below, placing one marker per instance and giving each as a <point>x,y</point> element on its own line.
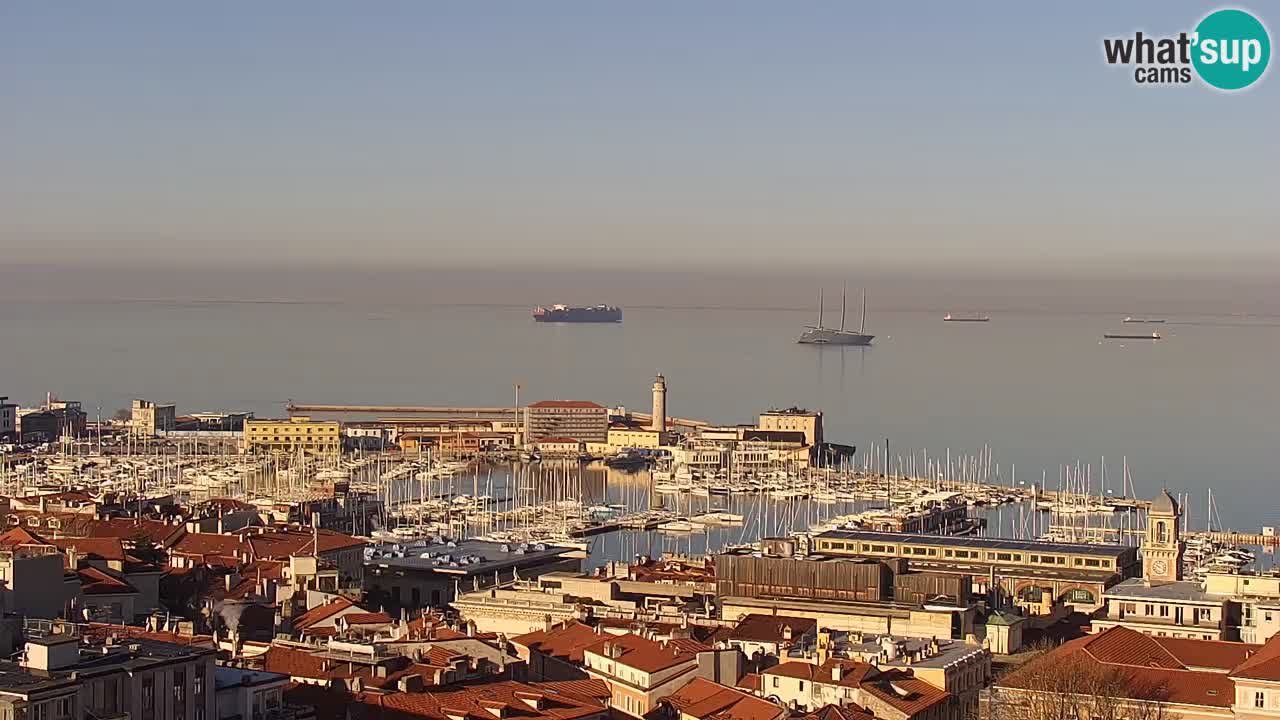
<point>483,413</point>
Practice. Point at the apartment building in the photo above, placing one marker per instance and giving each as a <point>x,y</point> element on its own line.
<point>291,435</point>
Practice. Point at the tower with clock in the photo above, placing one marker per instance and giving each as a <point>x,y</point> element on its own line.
<point>1162,547</point>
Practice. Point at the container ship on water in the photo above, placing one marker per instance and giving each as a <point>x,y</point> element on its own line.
<point>566,314</point>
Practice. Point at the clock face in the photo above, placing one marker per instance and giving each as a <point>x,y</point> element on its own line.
<point>1159,567</point>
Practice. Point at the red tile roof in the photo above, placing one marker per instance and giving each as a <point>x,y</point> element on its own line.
<point>280,543</point>
<point>1218,654</point>
<point>18,536</point>
<point>367,618</point>
<point>96,582</point>
<point>513,699</point>
<point>563,642</point>
<point>705,699</point>
<point>646,655</point>
<point>1147,667</point>
<point>320,613</point>
<point>1264,664</point>
<point>104,548</point>
<point>772,628</point>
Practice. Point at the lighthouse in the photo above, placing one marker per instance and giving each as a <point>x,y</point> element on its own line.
<point>659,420</point>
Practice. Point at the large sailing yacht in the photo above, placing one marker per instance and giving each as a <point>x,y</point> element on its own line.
<point>819,335</point>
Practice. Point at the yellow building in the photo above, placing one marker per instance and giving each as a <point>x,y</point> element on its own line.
<point>321,437</point>
<point>794,420</point>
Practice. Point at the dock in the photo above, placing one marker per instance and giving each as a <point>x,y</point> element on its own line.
<point>1229,537</point>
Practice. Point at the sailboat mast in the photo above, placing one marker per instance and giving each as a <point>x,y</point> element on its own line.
<point>862,326</point>
<point>819,307</point>
<point>844,291</point>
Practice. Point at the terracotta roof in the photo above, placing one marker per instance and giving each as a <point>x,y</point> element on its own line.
<point>96,582</point>
<point>1218,654</point>
<point>101,631</point>
<point>321,612</point>
<point>564,642</point>
<point>645,655</point>
<point>577,404</point>
<point>105,548</point>
<point>1146,665</point>
<point>905,691</point>
<point>592,689</point>
<point>128,529</point>
<point>837,712</point>
<point>1264,664</point>
<point>771,628</point>
<point>703,699</point>
<point>209,544</point>
<point>280,543</point>
<point>367,618</point>
<point>750,682</point>
<point>18,536</point>
<point>513,699</point>
<point>226,505</point>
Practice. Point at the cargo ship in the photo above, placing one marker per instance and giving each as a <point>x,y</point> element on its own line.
<point>566,314</point>
<point>1131,336</point>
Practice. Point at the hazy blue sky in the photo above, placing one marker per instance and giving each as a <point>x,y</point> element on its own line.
<point>717,134</point>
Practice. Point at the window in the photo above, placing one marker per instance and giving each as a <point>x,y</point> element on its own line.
<point>1092,562</point>
<point>148,697</point>
<point>197,684</point>
<point>1260,699</point>
<point>802,689</point>
<point>1164,611</point>
<point>775,681</point>
<point>179,686</point>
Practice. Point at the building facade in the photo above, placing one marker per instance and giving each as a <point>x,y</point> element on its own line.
<point>298,433</point>
<point>580,420</point>
<point>148,419</point>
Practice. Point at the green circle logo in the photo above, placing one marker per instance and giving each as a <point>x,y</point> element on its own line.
<point>1232,49</point>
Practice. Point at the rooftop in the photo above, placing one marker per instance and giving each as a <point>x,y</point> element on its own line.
<point>465,558</point>
<point>978,542</point>
<point>1181,591</point>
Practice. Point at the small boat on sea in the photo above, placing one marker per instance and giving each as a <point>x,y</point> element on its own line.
<point>1131,319</point>
<point>965,318</point>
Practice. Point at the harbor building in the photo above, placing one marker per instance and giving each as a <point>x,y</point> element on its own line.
<point>580,420</point>
<point>1017,571</point>
<point>147,419</point>
<point>862,595</point>
<point>291,435</point>
<point>794,420</point>
<point>435,575</point>
<point>1161,603</point>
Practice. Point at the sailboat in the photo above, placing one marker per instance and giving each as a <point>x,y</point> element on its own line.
<point>820,335</point>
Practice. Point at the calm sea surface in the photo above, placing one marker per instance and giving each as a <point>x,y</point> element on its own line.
<point>1199,409</point>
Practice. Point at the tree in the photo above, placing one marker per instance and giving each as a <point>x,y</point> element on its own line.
<point>123,414</point>
<point>1059,685</point>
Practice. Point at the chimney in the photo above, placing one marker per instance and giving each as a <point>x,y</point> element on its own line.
<point>837,671</point>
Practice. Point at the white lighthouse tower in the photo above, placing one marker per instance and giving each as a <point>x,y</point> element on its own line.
<point>659,420</point>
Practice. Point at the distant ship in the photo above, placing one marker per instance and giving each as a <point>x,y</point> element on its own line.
<point>566,314</point>
<point>1132,319</point>
<point>1131,336</point>
<point>819,335</point>
<point>965,318</point>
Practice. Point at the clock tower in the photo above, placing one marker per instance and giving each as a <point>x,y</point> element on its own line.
<point>1162,547</point>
